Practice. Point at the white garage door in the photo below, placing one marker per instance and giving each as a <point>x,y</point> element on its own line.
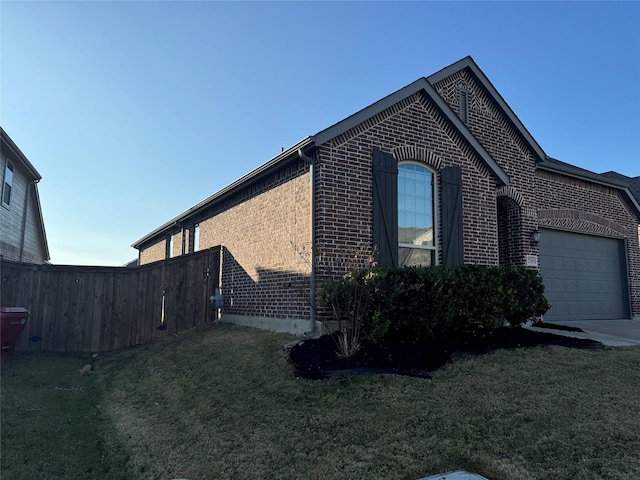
<point>584,276</point>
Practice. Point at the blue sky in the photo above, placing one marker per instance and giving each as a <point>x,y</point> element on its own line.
<point>135,111</point>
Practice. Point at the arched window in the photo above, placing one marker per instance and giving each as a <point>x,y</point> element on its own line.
<point>416,215</point>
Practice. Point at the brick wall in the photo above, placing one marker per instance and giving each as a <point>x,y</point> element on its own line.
<point>506,146</point>
<point>265,232</point>
<point>509,232</point>
<point>153,253</point>
<point>572,204</point>
<point>411,130</point>
<point>537,197</point>
<point>266,239</point>
<point>177,245</point>
<point>265,228</point>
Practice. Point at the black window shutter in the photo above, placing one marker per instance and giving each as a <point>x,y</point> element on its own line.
<point>385,208</point>
<point>452,234</point>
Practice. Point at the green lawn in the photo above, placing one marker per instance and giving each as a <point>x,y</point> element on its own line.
<point>53,424</point>
<point>221,402</point>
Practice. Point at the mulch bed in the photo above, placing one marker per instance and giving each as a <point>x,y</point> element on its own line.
<point>318,358</point>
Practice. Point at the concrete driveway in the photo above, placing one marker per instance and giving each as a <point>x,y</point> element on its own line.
<point>613,333</point>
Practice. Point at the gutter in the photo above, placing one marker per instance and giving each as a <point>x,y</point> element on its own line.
<point>312,273</point>
<point>556,166</point>
<point>254,175</point>
<point>18,153</point>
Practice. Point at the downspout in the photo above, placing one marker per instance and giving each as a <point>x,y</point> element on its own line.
<point>23,234</point>
<point>312,273</point>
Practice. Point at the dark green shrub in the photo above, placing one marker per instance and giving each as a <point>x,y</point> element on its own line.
<point>438,301</point>
<point>523,296</point>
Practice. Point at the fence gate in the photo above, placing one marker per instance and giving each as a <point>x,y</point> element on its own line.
<point>78,308</point>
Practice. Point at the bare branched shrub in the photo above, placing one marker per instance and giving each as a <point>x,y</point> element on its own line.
<point>347,295</point>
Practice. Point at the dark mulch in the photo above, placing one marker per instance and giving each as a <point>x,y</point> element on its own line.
<point>318,358</point>
<point>557,326</point>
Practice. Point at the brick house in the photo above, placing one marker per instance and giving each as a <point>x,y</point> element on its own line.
<point>440,172</point>
<point>22,234</point>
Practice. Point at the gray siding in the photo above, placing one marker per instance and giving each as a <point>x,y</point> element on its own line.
<point>12,218</point>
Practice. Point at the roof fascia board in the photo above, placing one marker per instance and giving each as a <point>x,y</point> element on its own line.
<point>469,63</point>
<point>357,118</point>
<point>17,153</point>
<point>633,201</point>
<point>424,84</point>
<point>582,174</point>
<point>470,138</point>
<point>45,243</point>
<point>248,179</point>
<point>450,70</point>
<point>420,84</point>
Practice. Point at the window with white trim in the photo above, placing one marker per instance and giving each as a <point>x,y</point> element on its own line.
<point>416,215</point>
<point>7,185</point>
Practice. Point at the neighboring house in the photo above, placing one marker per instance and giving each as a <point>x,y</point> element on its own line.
<point>441,172</point>
<point>22,234</point>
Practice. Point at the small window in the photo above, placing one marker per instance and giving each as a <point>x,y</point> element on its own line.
<point>8,184</point>
<point>196,238</point>
<point>171,247</point>
<point>464,104</point>
<point>416,215</point>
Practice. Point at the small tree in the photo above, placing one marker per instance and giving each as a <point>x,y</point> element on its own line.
<point>347,296</point>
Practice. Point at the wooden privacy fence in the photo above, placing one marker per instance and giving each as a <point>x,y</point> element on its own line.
<point>77,308</point>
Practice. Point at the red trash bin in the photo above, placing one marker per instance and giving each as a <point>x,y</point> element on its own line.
<point>12,323</point>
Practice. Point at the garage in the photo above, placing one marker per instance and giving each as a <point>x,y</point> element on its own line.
<point>584,276</point>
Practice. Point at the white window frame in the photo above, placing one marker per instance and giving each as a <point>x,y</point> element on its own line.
<point>196,237</point>
<point>434,191</point>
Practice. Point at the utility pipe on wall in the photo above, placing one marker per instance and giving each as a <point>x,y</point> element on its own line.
<point>312,274</point>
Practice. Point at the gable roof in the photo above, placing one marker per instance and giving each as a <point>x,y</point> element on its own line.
<point>468,63</point>
<point>422,84</point>
<point>11,150</point>
<point>629,186</point>
<point>309,143</point>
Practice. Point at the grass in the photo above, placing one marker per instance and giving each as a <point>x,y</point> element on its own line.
<point>53,424</point>
<point>221,402</point>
